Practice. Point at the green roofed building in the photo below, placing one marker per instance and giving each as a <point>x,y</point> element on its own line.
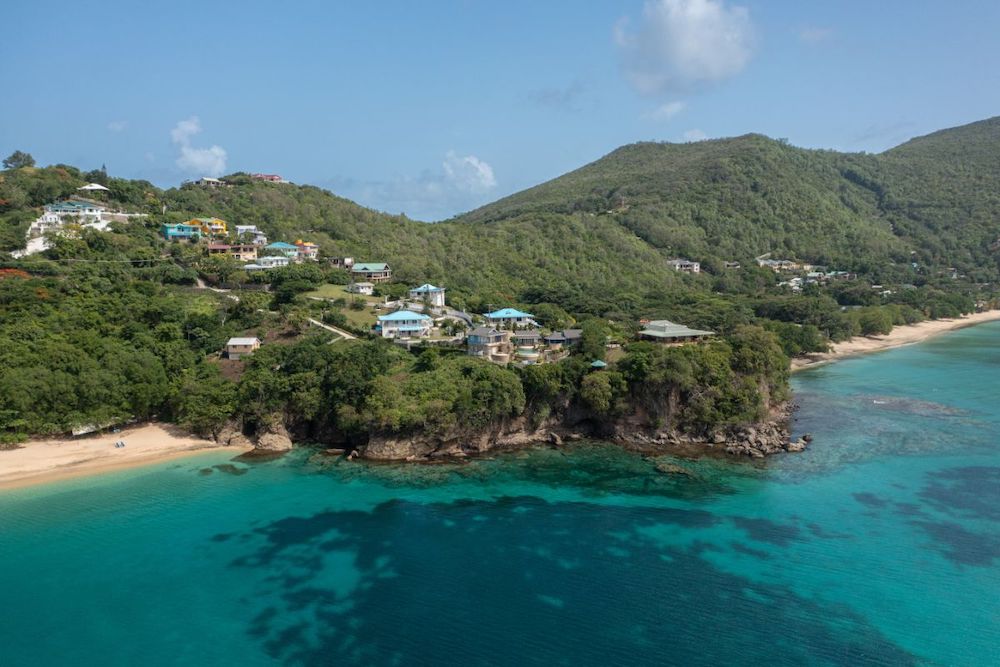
<point>372,272</point>
<point>665,331</point>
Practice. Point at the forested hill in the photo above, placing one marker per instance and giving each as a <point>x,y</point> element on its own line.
<point>937,196</point>
<point>596,240</point>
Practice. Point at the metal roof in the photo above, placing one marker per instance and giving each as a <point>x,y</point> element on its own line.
<point>402,316</point>
<point>370,266</point>
<point>243,341</point>
<point>668,329</point>
<point>507,313</point>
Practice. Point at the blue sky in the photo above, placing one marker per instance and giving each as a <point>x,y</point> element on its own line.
<point>432,108</point>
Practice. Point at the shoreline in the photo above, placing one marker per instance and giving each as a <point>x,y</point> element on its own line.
<point>48,460</point>
<point>900,336</point>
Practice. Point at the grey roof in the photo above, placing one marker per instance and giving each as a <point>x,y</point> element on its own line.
<point>668,329</point>
<point>242,341</point>
<point>565,334</point>
<point>532,334</point>
<point>484,331</point>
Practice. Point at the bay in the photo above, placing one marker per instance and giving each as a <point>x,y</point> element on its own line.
<point>880,545</point>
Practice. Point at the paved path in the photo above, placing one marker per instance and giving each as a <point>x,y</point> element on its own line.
<point>339,332</point>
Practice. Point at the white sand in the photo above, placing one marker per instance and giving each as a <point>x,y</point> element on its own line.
<point>40,461</point>
<point>904,335</point>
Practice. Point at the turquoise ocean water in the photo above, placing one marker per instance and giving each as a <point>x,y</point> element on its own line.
<point>878,546</point>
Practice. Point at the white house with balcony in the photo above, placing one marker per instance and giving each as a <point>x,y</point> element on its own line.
<point>251,233</point>
<point>429,293</point>
<point>404,324</point>
<point>510,318</point>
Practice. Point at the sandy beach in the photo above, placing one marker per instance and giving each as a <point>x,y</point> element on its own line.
<point>38,461</point>
<point>904,335</point>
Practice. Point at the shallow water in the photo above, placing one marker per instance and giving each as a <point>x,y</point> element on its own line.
<point>879,545</point>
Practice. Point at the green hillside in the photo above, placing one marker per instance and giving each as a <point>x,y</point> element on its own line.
<point>93,325</point>
<point>935,196</point>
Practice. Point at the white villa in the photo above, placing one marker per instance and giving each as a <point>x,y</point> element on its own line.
<point>427,292</point>
<point>404,324</point>
<point>74,210</point>
<point>684,265</point>
<point>268,262</point>
<point>510,318</point>
<point>251,233</point>
<point>367,289</point>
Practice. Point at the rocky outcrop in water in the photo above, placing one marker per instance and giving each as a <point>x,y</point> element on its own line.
<point>756,440</point>
<point>273,437</point>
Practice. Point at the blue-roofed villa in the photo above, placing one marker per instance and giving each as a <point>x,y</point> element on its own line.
<point>511,318</point>
<point>180,231</point>
<point>429,293</point>
<point>404,324</point>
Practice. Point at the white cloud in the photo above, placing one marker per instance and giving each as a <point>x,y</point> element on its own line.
<point>664,112</point>
<point>695,135</point>
<point>468,174</point>
<point>814,34</point>
<point>118,125</point>
<point>199,161</point>
<point>462,182</point>
<point>681,45</point>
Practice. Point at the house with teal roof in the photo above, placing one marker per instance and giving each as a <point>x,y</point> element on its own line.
<point>372,272</point>
<point>281,248</point>
<point>511,318</point>
<point>180,231</point>
<point>429,293</point>
<point>404,324</point>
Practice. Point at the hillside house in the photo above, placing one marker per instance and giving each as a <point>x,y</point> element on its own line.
<point>242,252</point>
<point>182,231</point>
<point>404,324</point>
<point>209,182</point>
<point>429,293</point>
<point>526,343</point>
<point>250,233</point>
<point>565,338</point>
<point>269,178</point>
<point>731,265</point>
<point>665,331</point>
<point>209,226</point>
<point>72,210</point>
<point>342,262</point>
<point>268,262</point>
<point>284,249</point>
<point>490,344</point>
<point>307,251</point>
<point>510,318</point>
<point>236,348</point>
<point>364,288</point>
<point>373,272</point>
<point>777,265</point>
<point>684,265</point>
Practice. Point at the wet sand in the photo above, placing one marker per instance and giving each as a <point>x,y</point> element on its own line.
<point>47,460</point>
<point>903,335</point>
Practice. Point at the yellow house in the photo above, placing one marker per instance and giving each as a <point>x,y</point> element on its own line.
<point>209,226</point>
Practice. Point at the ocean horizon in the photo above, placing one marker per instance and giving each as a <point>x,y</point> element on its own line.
<point>879,545</point>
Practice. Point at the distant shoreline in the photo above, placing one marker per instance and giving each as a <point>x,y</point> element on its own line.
<point>56,459</point>
<point>900,336</point>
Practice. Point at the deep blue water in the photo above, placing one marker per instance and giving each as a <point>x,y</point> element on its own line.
<point>878,546</point>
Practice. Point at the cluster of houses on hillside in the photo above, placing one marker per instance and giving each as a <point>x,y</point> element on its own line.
<point>510,335</point>
<point>209,182</point>
<point>251,245</point>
